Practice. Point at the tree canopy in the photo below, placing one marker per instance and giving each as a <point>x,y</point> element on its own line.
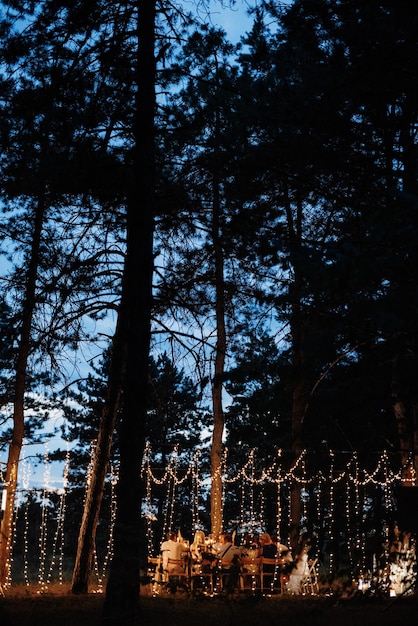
<point>249,210</point>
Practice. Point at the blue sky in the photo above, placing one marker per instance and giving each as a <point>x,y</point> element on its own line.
<point>235,20</point>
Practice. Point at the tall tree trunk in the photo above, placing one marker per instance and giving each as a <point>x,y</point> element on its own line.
<point>407,423</point>
<point>23,351</point>
<point>122,590</point>
<point>216,496</point>
<point>297,326</point>
<point>298,408</point>
<point>87,533</point>
<point>406,429</point>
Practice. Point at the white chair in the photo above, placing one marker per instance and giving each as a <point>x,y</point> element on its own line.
<point>309,582</point>
<point>250,574</point>
<point>176,575</point>
<point>201,578</point>
<point>154,573</point>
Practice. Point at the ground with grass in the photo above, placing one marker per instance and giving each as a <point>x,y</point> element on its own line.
<point>21,607</point>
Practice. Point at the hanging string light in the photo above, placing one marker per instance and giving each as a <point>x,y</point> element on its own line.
<point>390,478</point>
<point>195,492</point>
<point>261,514</point>
<point>58,541</point>
<point>43,534</point>
<point>12,541</point>
<point>101,572</point>
<point>171,489</point>
<point>6,494</point>
<point>242,514</point>
<point>318,503</point>
<point>331,514</point>
<point>303,493</point>
<point>354,513</point>
<point>278,482</point>
<point>348,496</point>
<point>148,513</point>
<point>26,486</point>
<point>251,481</point>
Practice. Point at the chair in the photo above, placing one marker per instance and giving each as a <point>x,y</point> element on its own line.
<point>250,574</point>
<point>201,578</point>
<point>228,575</point>
<point>270,574</point>
<point>176,575</point>
<point>154,574</point>
<point>309,582</point>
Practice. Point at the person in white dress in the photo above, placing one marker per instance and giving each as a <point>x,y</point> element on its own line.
<point>299,570</point>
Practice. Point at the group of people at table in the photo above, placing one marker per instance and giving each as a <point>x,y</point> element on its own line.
<point>258,559</point>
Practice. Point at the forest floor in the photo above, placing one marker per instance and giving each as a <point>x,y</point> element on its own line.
<point>23,606</point>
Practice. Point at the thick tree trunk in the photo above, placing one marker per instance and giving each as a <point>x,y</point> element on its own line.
<point>8,502</point>
<point>406,429</point>
<point>407,421</point>
<point>216,497</point>
<point>297,325</point>
<point>216,494</point>
<point>122,590</point>
<point>298,409</point>
<point>19,395</point>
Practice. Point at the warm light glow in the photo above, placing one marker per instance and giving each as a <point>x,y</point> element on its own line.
<point>347,490</point>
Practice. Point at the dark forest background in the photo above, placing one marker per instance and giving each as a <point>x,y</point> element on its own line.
<point>269,188</point>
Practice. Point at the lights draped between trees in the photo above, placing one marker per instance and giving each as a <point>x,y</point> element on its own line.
<point>348,507</point>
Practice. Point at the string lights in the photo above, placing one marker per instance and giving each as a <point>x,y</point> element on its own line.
<point>59,536</point>
<point>26,483</point>
<point>43,535</point>
<point>195,492</point>
<point>279,505</point>
<point>101,572</point>
<point>342,489</point>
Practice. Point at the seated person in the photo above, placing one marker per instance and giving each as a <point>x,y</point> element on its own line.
<point>268,548</point>
<point>227,551</point>
<point>171,549</point>
<point>250,546</point>
<point>229,555</point>
<point>202,556</point>
<point>198,546</point>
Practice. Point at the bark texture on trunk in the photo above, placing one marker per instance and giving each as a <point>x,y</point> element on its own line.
<point>122,591</point>
<point>407,429</point>
<point>216,497</point>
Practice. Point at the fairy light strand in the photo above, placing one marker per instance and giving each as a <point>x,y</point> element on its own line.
<point>345,486</point>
